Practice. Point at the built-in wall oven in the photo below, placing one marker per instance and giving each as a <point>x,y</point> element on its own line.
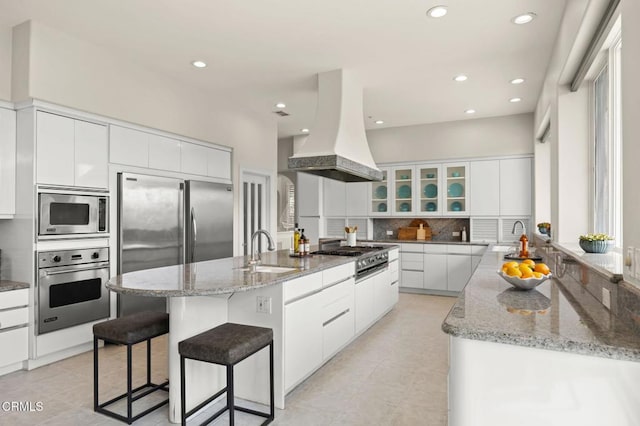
<point>72,211</point>
<point>71,287</point>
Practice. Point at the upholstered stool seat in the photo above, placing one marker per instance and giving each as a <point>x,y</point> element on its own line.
<point>129,330</point>
<point>227,345</point>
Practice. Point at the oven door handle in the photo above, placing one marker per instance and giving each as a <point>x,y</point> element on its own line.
<point>67,271</point>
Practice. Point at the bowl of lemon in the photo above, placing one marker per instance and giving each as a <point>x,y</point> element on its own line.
<point>525,275</point>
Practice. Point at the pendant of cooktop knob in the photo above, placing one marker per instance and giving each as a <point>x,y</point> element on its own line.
<point>56,258</point>
<point>95,255</point>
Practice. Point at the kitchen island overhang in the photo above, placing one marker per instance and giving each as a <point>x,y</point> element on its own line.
<point>206,294</point>
<point>569,362</point>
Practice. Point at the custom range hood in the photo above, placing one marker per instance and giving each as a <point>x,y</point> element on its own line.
<point>337,147</point>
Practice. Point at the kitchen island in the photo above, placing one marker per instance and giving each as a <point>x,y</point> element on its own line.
<point>314,306</point>
<point>552,355</point>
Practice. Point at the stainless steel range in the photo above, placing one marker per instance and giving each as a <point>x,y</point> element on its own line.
<point>371,259</point>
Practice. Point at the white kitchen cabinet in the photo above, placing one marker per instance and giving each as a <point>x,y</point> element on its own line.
<point>357,199</point>
<point>515,187</point>
<point>484,184</point>
<point>14,333</point>
<point>128,146</point>
<point>219,163</point>
<point>458,266</point>
<point>338,319</point>
<point>381,293</point>
<point>164,153</point>
<point>411,265</point>
<point>334,198</point>
<point>308,190</point>
<point>70,152</point>
<point>380,195</point>
<point>91,153</point>
<point>194,159</point>
<point>430,187</point>
<point>303,338</point>
<point>403,185</point>
<point>456,195</point>
<point>7,163</point>
<point>364,303</point>
<point>55,151</point>
<point>435,267</point>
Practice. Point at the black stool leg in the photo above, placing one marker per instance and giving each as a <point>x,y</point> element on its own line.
<point>272,410</point>
<point>183,398</point>
<point>148,361</point>
<point>129,385</point>
<point>230,393</point>
<point>95,373</point>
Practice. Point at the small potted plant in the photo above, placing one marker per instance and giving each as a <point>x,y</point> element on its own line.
<point>544,228</point>
<point>595,243</point>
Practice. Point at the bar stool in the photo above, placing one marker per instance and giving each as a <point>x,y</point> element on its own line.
<point>227,345</point>
<point>129,330</point>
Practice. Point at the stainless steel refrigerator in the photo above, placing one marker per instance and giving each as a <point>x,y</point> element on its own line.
<point>166,221</point>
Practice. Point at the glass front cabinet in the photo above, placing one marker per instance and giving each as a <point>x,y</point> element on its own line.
<point>429,178</point>
<point>456,200</point>
<point>403,190</point>
<point>380,194</point>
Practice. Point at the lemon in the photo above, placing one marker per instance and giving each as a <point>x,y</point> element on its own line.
<point>524,267</point>
<point>508,264</point>
<point>527,273</point>
<point>513,271</point>
<point>542,268</point>
<point>529,262</point>
<point>538,274</point>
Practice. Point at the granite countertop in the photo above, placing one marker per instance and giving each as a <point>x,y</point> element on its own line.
<point>557,315</point>
<point>221,276</point>
<point>410,241</point>
<point>6,285</point>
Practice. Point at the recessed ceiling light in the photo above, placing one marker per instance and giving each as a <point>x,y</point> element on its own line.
<point>460,77</point>
<point>437,11</point>
<point>470,111</point>
<point>525,18</point>
<point>281,105</point>
<point>379,122</point>
<point>305,130</point>
<point>199,64</point>
<point>514,100</point>
<point>517,81</point>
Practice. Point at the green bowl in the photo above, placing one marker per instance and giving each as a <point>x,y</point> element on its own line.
<point>594,246</point>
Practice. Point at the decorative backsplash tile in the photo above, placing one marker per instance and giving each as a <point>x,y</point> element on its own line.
<point>441,228</point>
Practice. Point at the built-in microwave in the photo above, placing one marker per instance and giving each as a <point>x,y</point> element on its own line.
<point>71,213</point>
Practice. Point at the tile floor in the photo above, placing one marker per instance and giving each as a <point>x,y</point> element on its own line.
<point>393,374</point>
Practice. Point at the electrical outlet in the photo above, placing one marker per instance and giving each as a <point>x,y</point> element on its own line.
<point>389,233</point>
<point>636,260</point>
<point>628,262</point>
<point>263,304</point>
<point>456,233</point>
<point>606,298</point>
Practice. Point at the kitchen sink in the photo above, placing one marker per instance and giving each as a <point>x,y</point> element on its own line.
<point>271,269</point>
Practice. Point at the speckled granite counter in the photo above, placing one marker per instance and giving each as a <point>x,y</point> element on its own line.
<point>221,276</point>
<point>6,285</point>
<point>558,315</point>
<point>390,241</point>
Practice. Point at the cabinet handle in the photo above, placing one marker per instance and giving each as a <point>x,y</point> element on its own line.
<point>346,311</point>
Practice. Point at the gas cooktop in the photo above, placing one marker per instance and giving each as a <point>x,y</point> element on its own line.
<point>349,251</point>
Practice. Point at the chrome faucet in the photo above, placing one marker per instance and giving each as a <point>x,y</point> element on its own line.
<point>513,231</point>
<point>255,257</point>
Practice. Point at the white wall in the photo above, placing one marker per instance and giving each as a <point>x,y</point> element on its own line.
<point>482,137</point>
<point>631,125</point>
<point>74,73</point>
<point>5,62</point>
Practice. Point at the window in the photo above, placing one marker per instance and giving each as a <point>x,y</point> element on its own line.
<point>607,144</point>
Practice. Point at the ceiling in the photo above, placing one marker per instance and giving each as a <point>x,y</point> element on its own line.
<point>260,52</point>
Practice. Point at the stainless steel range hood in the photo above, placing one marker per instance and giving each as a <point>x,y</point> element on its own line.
<point>337,147</point>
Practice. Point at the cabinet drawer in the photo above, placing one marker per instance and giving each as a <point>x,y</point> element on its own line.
<point>15,346</point>
<point>412,279</point>
<point>338,326</point>
<point>300,286</point>
<point>458,249</point>
<point>406,247</point>
<point>337,292</point>
<point>337,274</point>
<point>393,266</point>
<point>14,298</point>
<point>14,317</point>
<point>393,254</point>
<point>412,266</point>
<point>435,248</point>
<point>411,258</point>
